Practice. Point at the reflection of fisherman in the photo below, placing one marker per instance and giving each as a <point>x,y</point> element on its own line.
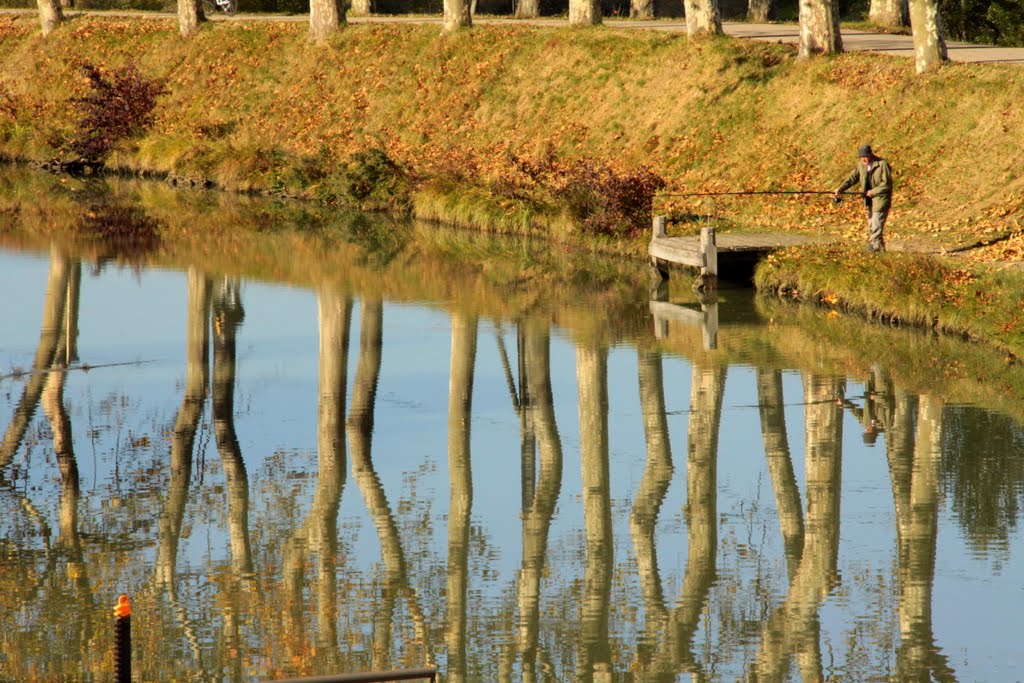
<point>876,415</point>
<point>228,312</point>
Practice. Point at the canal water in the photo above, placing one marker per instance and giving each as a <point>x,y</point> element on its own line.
<point>308,443</point>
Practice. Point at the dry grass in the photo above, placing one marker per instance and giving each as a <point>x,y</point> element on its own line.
<point>252,102</point>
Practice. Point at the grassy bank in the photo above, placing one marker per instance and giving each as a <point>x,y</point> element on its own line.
<point>980,303</point>
<point>502,128</point>
<point>254,106</point>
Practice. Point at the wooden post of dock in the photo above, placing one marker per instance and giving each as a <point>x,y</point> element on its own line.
<point>708,258</point>
<point>658,229</point>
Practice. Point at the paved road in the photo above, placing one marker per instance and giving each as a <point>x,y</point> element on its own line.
<point>879,42</point>
<point>853,40</point>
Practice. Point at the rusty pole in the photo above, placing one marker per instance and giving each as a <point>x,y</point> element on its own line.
<point>123,640</point>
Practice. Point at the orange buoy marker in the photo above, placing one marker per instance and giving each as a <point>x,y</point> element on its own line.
<point>123,640</point>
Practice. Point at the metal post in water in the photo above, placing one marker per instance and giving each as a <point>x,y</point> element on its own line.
<point>123,640</point>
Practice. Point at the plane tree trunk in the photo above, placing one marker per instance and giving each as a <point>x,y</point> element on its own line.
<point>703,18</point>
<point>929,35</point>
<point>190,15</point>
<point>457,14</point>
<point>326,17</point>
<point>819,28</point>
<point>889,13</point>
<point>50,15</point>
<point>584,12</point>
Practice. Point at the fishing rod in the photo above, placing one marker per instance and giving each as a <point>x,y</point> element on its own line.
<point>747,192</point>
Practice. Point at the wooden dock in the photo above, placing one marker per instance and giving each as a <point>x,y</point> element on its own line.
<point>708,250</point>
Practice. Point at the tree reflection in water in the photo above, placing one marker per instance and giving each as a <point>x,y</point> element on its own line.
<point>344,611</point>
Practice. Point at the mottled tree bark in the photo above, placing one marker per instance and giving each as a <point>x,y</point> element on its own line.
<point>359,428</point>
<point>460,475</point>
<point>702,18</point>
<point>707,387</point>
<point>63,448</point>
<point>538,515</point>
<point>584,12</point>
<point>228,316</point>
<point>780,465</point>
<point>525,405</point>
<point>190,15</point>
<point>326,17</point>
<point>899,452</point>
<point>651,493</point>
<point>50,15</point>
<point>527,9</point>
<point>794,628</point>
<point>675,651</point>
<point>889,13</point>
<point>362,7</point>
<point>457,14</point>
<point>819,28</point>
<point>335,313</point>
<point>70,538</point>
<point>594,661</point>
<point>641,9</point>
<point>760,10</point>
<point>929,34</point>
<point>918,658</point>
<point>46,350</point>
<point>197,375</point>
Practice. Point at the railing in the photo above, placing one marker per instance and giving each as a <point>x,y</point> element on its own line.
<point>428,673</point>
<point>123,659</point>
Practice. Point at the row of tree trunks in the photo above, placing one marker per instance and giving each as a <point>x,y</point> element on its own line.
<point>651,493</point>
<point>913,436</point>
<point>197,377</point>
<point>819,20</point>
<point>46,355</point>
<point>227,318</point>
<point>540,509</point>
<point>594,660</point>
<point>460,505</point>
<point>359,428</point>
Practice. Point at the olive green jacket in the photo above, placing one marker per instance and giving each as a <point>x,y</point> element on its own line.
<point>877,183</point>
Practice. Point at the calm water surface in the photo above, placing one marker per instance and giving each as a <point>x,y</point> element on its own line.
<point>357,462</point>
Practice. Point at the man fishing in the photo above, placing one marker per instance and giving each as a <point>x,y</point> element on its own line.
<point>875,178</point>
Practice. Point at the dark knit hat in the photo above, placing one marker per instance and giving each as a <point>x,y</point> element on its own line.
<point>865,151</point>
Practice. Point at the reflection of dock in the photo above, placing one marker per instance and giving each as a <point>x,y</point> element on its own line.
<point>710,252</point>
<point>705,318</point>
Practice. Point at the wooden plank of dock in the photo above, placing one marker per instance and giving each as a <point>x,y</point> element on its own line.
<point>704,251</point>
